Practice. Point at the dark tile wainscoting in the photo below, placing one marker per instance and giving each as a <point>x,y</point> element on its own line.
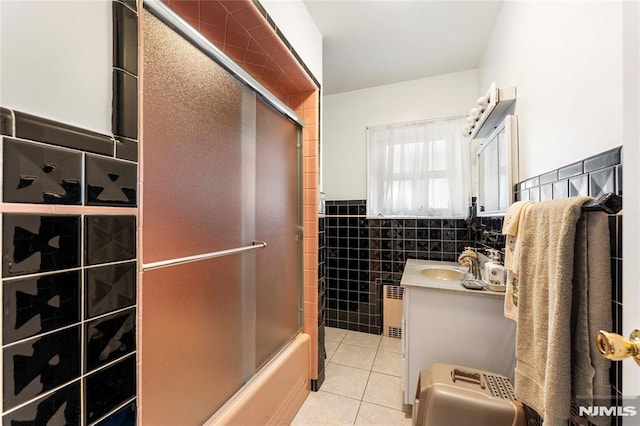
<point>322,267</point>
<point>69,272</point>
<point>61,301</point>
<point>615,230</point>
<point>364,254</point>
<point>593,176</point>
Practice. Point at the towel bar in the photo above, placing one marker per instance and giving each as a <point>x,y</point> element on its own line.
<point>609,203</point>
<point>198,257</point>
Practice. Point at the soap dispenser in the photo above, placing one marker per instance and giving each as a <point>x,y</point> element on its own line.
<point>495,273</point>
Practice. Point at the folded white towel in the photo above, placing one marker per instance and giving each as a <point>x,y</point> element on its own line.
<point>512,217</point>
<point>510,229</point>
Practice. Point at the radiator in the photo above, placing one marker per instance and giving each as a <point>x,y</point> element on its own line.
<point>392,310</point>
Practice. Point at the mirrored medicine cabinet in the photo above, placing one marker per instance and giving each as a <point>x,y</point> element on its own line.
<point>497,168</point>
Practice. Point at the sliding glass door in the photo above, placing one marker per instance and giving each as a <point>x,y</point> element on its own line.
<point>277,218</point>
<point>220,176</point>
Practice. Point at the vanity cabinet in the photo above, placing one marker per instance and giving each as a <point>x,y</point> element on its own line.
<point>453,326</point>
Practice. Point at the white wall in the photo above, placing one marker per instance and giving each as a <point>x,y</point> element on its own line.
<point>576,66</point>
<point>56,56</point>
<point>631,182</point>
<point>347,115</point>
<point>565,59</point>
<point>55,60</point>
<point>295,22</point>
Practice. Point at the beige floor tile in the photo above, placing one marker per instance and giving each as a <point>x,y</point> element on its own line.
<point>362,339</point>
<point>362,379</point>
<point>345,381</point>
<point>323,408</point>
<point>370,414</point>
<point>334,334</point>
<point>384,390</point>
<point>388,363</point>
<point>330,347</point>
<point>390,344</point>
<point>354,356</point>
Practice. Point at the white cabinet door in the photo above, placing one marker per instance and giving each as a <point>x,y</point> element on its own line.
<point>452,327</point>
<point>405,347</point>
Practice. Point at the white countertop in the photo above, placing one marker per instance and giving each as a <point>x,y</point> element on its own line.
<point>413,278</point>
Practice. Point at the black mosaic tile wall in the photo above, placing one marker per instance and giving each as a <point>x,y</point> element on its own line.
<point>322,266</point>
<point>364,254</point>
<point>615,230</point>
<point>69,281</point>
<point>491,235</point>
<point>41,174</point>
<point>68,315</point>
<point>593,177</point>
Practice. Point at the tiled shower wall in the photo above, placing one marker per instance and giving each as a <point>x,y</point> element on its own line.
<point>363,254</point>
<point>69,275</point>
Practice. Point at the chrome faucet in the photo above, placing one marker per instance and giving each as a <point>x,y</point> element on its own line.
<point>469,258</point>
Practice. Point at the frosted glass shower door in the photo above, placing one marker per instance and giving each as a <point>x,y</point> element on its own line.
<point>277,220</point>
<point>220,170</point>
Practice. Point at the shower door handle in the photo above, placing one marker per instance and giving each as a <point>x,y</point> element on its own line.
<point>199,257</point>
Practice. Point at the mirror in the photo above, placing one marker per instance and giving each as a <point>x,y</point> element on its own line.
<point>497,165</point>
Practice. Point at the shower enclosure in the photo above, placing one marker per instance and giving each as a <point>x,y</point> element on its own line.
<point>220,240</point>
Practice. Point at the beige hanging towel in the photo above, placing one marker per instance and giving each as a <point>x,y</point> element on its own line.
<point>510,228</point>
<point>546,235</point>
<point>591,312</point>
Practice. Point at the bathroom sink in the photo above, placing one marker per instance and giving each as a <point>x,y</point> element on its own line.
<point>442,273</point>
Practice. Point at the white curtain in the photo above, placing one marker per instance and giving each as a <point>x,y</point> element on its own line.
<point>418,169</point>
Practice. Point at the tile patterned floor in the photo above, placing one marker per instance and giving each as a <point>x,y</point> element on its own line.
<point>362,384</point>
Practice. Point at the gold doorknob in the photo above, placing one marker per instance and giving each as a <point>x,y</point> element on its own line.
<point>615,347</point>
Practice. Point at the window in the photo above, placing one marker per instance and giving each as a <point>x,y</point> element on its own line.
<point>418,169</point>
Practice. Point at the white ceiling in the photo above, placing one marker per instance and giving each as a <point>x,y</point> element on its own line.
<point>372,43</point>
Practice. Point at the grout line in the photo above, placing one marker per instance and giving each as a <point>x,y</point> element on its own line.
<point>41,396</point>
<point>386,374</point>
<point>83,316</point>
<point>101,316</point>
<point>357,412</point>
<point>341,396</point>
<point>350,366</point>
<point>40,335</point>
<point>118,262</point>
<point>125,72</point>
<point>42,274</point>
<point>365,389</point>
